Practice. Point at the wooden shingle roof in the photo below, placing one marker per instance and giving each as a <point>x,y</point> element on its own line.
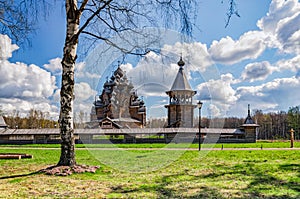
<point>181,82</point>
<point>2,122</point>
<point>99,131</point>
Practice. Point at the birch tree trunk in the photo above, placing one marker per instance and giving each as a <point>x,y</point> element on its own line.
<point>67,157</point>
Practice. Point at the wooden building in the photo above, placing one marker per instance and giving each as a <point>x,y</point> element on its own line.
<point>118,106</point>
<point>181,107</point>
<point>250,128</point>
<point>113,133</point>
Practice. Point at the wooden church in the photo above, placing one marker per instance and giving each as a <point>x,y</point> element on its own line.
<point>118,106</point>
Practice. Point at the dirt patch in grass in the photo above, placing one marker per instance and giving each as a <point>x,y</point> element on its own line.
<point>67,170</point>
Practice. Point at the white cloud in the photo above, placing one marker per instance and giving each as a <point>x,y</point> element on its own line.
<point>6,47</point>
<point>27,86</point>
<point>288,33</point>
<point>152,76</point>
<point>278,10</point>
<point>292,64</point>
<point>126,67</point>
<point>83,73</point>
<point>22,81</point>
<point>214,111</point>
<point>56,95</point>
<point>157,110</point>
<point>194,54</point>
<point>257,71</point>
<point>79,66</point>
<point>282,25</point>
<point>83,92</point>
<point>10,105</point>
<point>227,51</point>
<point>84,98</point>
<point>279,29</point>
<point>277,94</point>
<point>24,87</point>
<point>54,65</point>
<point>261,70</point>
<point>219,92</point>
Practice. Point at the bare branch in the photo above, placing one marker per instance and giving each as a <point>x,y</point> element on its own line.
<point>17,18</point>
<point>83,4</point>
<point>92,17</point>
<point>111,43</point>
<point>231,11</point>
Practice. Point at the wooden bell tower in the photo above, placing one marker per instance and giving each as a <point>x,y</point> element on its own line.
<point>181,107</point>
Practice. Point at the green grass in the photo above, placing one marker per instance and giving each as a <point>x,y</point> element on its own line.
<point>217,174</point>
<point>258,144</point>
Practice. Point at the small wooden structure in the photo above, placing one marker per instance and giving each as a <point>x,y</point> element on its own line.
<point>250,128</point>
<point>292,137</point>
<point>15,156</point>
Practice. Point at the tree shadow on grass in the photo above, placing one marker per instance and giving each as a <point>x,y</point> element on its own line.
<point>41,171</point>
<point>162,189</point>
<point>291,167</point>
<point>22,175</point>
<point>200,191</point>
<point>261,183</point>
<point>163,192</point>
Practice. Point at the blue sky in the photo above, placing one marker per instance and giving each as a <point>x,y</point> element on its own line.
<point>254,60</point>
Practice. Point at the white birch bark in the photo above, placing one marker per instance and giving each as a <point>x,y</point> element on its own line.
<point>67,157</point>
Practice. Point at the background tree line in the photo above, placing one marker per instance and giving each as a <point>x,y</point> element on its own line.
<point>34,119</point>
<point>272,125</point>
<point>38,119</point>
<point>278,125</point>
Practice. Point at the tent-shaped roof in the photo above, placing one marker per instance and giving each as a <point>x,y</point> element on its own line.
<point>2,122</point>
<point>116,125</point>
<point>181,82</point>
<point>249,119</point>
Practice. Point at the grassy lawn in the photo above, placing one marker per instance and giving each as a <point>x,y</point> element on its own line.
<point>258,144</point>
<point>214,174</point>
